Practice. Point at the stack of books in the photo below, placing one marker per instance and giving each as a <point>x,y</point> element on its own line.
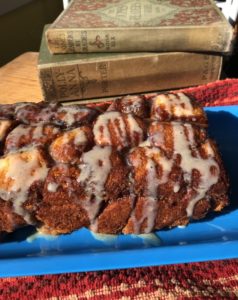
<point>103,48</point>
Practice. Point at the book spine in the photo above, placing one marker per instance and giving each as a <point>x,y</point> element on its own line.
<point>150,72</point>
<point>215,39</point>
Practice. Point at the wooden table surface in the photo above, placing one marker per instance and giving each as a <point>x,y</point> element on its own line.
<point>19,80</point>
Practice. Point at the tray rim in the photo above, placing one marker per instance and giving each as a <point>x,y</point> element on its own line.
<point>52,264</point>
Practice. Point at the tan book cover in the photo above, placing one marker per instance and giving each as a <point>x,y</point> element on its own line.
<point>140,25</point>
<point>66,77</point>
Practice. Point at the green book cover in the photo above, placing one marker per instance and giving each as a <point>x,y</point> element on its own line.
<point>46,58</point>
<point>65,77</point>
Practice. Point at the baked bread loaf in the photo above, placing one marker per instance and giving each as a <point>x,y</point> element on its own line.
<point>140,164</point>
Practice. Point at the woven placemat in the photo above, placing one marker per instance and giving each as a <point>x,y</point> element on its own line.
<point>206,280</point>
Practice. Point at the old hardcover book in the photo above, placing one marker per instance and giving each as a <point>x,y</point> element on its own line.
<point>82,76</point>
<point>140,25</point>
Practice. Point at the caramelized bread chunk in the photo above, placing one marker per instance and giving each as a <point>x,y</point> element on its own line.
<point>103,173</point>
<point>19,173</point>
<point>118,130</point>
<point>9,221</point>
<point>74,115</point>
<point>115,216</point>
<point>177,107</point>
<point>178,182</point>
<point>142,219</point>
<point>150,168</point>
<point>70,145</point>
<point>7,111</point>
<point>135,105</point>
<point>163,135</point>
<point>27,135</point>
<point>54,113</point>
<point>61,210</point>
<point>154,177</point>
<point>36,113</point>
<point>75,194</point>
<point>103,176</point>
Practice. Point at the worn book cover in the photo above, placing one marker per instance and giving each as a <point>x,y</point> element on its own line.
<point>140,25</point>
<point>82,76</point>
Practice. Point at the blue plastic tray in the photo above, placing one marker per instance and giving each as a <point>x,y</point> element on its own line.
<point>215,237</point>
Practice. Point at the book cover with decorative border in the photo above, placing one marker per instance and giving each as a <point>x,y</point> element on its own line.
<point>140,25</point>
<point>138,13</point>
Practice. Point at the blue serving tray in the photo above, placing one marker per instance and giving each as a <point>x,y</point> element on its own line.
<point>215,237</point>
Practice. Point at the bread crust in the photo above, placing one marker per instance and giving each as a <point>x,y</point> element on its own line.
<point>138,165</point>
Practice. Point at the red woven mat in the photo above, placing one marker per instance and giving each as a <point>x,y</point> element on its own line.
<point>207,280</point>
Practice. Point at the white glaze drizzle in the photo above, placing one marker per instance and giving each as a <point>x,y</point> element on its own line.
<point>189,163</point>
<point>150,239</point>
<point>181,105</point>
<point>182,145</point>
<point>19,171</point>
<point>80,137</point>
<point>52,187</point>
<point>43,114</point>
<point>94,171</point>
<point>176,188</point>
<point>64,138</point>
<point>22,106</point>
<point>76,136</point>
<point>69,118</point>
<point>178,105</point>
<point>132,202</point>
<point>134,128</point>
<point>70,112</point>
<point>149,213</point>
<point>157,139</point>
<point>101,129</point>
<point>183,142</point>
<point>146,143</point>
<point>166,166</point>
<point>102,134</point>
<point>37,132</point>
<point>15,135</point>
<point>55,130</point>
<point>152,184</point>
<point>132,104</point>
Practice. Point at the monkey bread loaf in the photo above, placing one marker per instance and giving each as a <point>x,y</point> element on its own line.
<point>137,165</point>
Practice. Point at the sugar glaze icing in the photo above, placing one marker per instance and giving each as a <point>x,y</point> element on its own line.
<point>183,142</point>
<point>190,163</point>
<point>126,130</point>
<point>19,171</point>
<point>178,105</point>
<point>94,171</point>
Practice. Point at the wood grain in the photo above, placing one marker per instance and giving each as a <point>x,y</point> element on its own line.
<point>19,80</point>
